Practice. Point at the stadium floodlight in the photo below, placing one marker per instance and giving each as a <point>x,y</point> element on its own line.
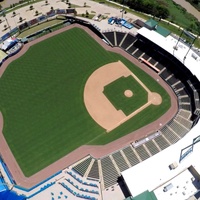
<point>188,39</point>
<point>189,149</point>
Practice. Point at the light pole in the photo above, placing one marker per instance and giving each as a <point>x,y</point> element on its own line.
<point>4,15</point>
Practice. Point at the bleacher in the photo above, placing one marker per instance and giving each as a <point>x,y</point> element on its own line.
<point>185,106</point>
<point>94,171</point>
<point>142,152</point>
<point>120,161</point>
<point>82,167</point>
<point>109,172</point>
<point>178,128</point>
<point>119,37</point>
<point>110,37</point>
<point>131,156</point>
<point>152,61</point>
<point>169,134</point>
<point>160,66</point>
<point>172,81</point>
<point>185,122</point>
<point>131,49</point>
<point>130,39</point>
<point>184,113</point>
<point>165,74</point>
<point>178,86</point>
<point>162,142</point>
<point>151,146</point>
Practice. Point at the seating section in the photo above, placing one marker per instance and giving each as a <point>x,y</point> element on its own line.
<point>119,37</point>
<point>185,106</point>
<point>142,152</point>
<point>82,167</point>
<point>184,113</point>
<point>165,74</point>
<point>152,147</point>
<point>172,80</point>
<point>110,174</point>
<point>130,39</point>
<point>160,66</point>
<point>131,49</point>
<point>184,122</point>
<point>177,128</point>
<point>132,158</point>
<point>161,142</point>
<point>110,37</point>
<point>169,134</point>
<point>178,86</point>
<point>121,163</point>
<point>94,171</point>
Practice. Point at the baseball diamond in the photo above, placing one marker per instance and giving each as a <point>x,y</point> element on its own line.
<point>53,121</point>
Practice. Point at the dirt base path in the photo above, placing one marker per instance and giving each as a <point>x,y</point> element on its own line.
<point>95,151</point>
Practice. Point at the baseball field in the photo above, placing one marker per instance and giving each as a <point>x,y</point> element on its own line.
<point>42,99</point>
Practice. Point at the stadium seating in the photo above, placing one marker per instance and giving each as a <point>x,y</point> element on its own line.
<point>131,156</point>
<point>109,36</point>
<point>169,134</point>
<point>120,161</point>
<point>151,146</point>
<point>109,172</point>
<point>162,142</point>
<point>129,40</point>
<point>94,171</point>
<point>178,128</point>
<point>119,37</point>
<point>81,168</point>
<point>184,113</point>
<point>142,152</point>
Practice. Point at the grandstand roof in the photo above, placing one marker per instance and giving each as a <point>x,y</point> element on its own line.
<point>151,23</point>
<point>145,196</point>
<point>191,61</point>
<point>162,31</point>
<point>154,172</point>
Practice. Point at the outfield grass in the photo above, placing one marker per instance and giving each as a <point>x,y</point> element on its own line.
<point>42,100</point>
<point>115,93</point>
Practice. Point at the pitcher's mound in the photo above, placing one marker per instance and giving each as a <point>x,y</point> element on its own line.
<point>128,93</point>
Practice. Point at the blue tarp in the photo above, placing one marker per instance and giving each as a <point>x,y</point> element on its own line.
<point>10,195</point>
<point>2,186</point>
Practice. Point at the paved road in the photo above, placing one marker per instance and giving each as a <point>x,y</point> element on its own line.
<point>6,3</point>
<point>189,8</point>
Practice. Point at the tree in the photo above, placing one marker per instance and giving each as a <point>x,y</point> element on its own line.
<point>20,19</point>
<point>31,7</point>
<point>5,26</point>
<point>86,13</point>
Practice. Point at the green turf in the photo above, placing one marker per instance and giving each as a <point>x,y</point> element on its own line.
<point>42,100</point>
<point>115,93</point>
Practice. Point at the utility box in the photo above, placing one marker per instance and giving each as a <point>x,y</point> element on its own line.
<point>168,187</point>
